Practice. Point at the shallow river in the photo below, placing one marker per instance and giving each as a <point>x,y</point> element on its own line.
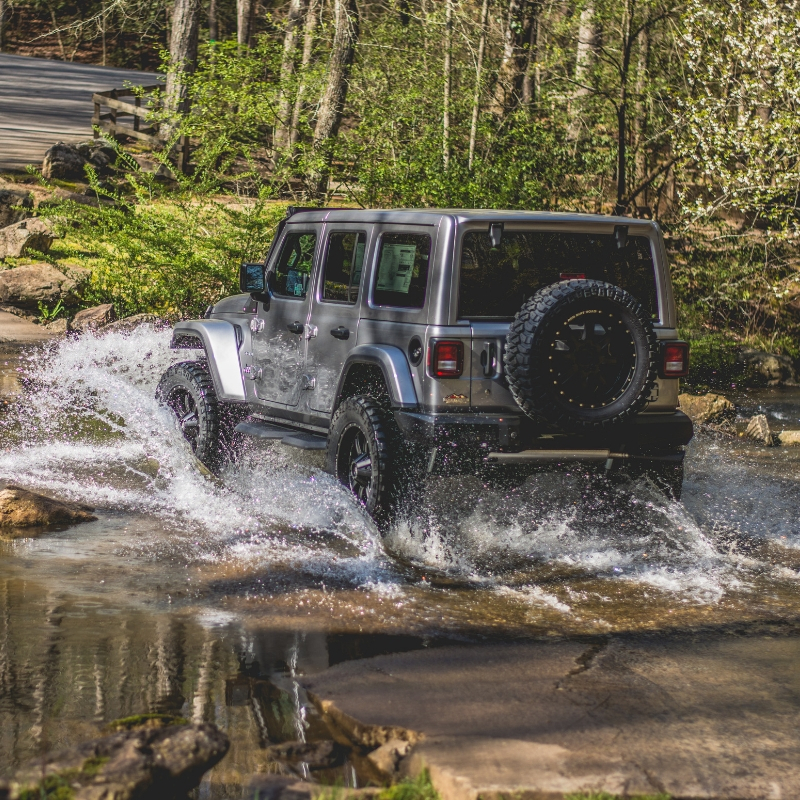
<point>210,597</point>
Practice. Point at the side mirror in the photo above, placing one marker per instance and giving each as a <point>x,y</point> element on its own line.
<point>251,278</point>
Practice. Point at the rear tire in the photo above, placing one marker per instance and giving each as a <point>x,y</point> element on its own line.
<point>362,454</point>
<point>208,425</point>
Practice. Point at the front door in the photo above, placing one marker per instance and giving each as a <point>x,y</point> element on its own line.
<point>279,344</point>
<point>335,310</point>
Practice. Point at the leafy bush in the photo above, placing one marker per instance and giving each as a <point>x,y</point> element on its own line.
<point>169,251</point>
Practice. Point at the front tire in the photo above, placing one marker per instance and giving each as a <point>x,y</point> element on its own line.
<point>188,391</point>
<point>360,445</point>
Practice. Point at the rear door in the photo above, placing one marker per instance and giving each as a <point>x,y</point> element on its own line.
<point>335,309</point>
<point>488,386</point>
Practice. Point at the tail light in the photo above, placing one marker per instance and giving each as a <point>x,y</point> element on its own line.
<point>446,359</point>
<point>674,360</point>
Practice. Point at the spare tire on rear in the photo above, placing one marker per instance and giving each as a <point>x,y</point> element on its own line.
<point>581,354</point>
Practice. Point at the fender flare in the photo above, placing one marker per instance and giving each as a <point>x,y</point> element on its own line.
<point>394,366</point>
<point>218,338</point>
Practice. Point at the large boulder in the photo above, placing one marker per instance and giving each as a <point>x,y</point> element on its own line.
<point>706,408</point>
<point>63,161</point>
<point>90,319</point>
<point>68,161</point>
<point>146,762</point>
<point>128,324</point>
<point>21,238</point>
<point>767,368</point>
<point>31,284</point>
<point>15,205</point>
<point>20,508</point>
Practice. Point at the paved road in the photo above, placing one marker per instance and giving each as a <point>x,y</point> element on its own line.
<point>28,126</point>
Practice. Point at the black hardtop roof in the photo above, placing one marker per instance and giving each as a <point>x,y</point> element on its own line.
<point>432,216</point>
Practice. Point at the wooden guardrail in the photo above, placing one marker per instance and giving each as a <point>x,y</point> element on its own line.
<point>139,107</point>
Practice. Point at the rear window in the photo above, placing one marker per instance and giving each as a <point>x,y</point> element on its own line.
<point>495,282</point>
<point>402,270</point>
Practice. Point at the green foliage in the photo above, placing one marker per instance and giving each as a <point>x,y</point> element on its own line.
<point>49,314</point>
<point>419,788</point>
<point>170,251</point>
<point>145,721</point>
<point>53,787</point>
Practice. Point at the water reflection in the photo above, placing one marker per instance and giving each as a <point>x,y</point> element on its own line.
<point>70,665</point>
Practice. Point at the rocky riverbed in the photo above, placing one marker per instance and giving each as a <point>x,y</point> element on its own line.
<point>216,600</point>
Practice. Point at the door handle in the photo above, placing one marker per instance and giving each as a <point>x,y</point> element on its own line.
<point>296,327</point>
<point>340,333</point>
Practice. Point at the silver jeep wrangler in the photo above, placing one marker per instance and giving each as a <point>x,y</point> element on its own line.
<point>409,342</point>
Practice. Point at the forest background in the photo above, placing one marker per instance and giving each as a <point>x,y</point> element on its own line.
<point>684,112</point>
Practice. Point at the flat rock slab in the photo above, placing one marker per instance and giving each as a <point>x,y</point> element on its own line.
<point>707,717</point>
<point>15,329</point>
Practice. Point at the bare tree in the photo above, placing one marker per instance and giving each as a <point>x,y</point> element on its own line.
<point>244,22</point>
<point>213,23</point>
<point>182,50</point>
<point>330,110</point>
<point>584,58</point>
<point>282,137</point>
<point>476,100</point>
<point>509,70</point>
<point>308,47</point>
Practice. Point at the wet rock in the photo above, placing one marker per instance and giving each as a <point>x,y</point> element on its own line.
<point>141,763</point>
<point>767,368</point>
<point>278,787</point>
<point>20,509</point>
<point>128,324</point>
<point>19,312</point>
<point>706,408</point>
<point>15,206</point>
<point>28,236</point>
<point>317,755</point>
<point>64,162</point>
<point>90,319</point>
<point>386,759</point>
<point>758,429</point>
<point>58,327</point>
<point>31,284</point>
<point>789,438</point>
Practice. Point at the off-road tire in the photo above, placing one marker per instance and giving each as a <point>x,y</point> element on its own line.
<point>188,391</point>
<point>531,347</point>
<point>361,426</point>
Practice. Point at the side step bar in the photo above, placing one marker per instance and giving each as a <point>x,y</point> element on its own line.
<point>560,456</point>
<point>289,436</point>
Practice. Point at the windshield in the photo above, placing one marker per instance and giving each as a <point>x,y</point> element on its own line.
<point>495,282</point>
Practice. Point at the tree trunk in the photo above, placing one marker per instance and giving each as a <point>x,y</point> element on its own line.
<point>213,25</point>
<point>476,100</point>
<point>2,20</point>
<point>640,109</point>
<point>308,46</point>
<point>182,52</point>
<point>622,112</point>
<point>283,128</point>
<point>584,56</point>
<point>532,78</point>
<point>448,47</point>
<point>509,70</point>
<point>244,22</point>
<point>330,110</point>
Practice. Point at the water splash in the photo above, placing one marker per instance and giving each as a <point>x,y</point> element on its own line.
<point>89,428</point>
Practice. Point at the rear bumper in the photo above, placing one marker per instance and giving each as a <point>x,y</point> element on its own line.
<point>509,434</point>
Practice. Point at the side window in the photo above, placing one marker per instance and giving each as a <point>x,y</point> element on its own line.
<point>402,270</point>
<point>343,265</point>
<point>293,269</point>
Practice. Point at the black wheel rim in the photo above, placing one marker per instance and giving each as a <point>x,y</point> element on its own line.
<point>591,359</point>
<point>355,463</point>
<point>184,407</point>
